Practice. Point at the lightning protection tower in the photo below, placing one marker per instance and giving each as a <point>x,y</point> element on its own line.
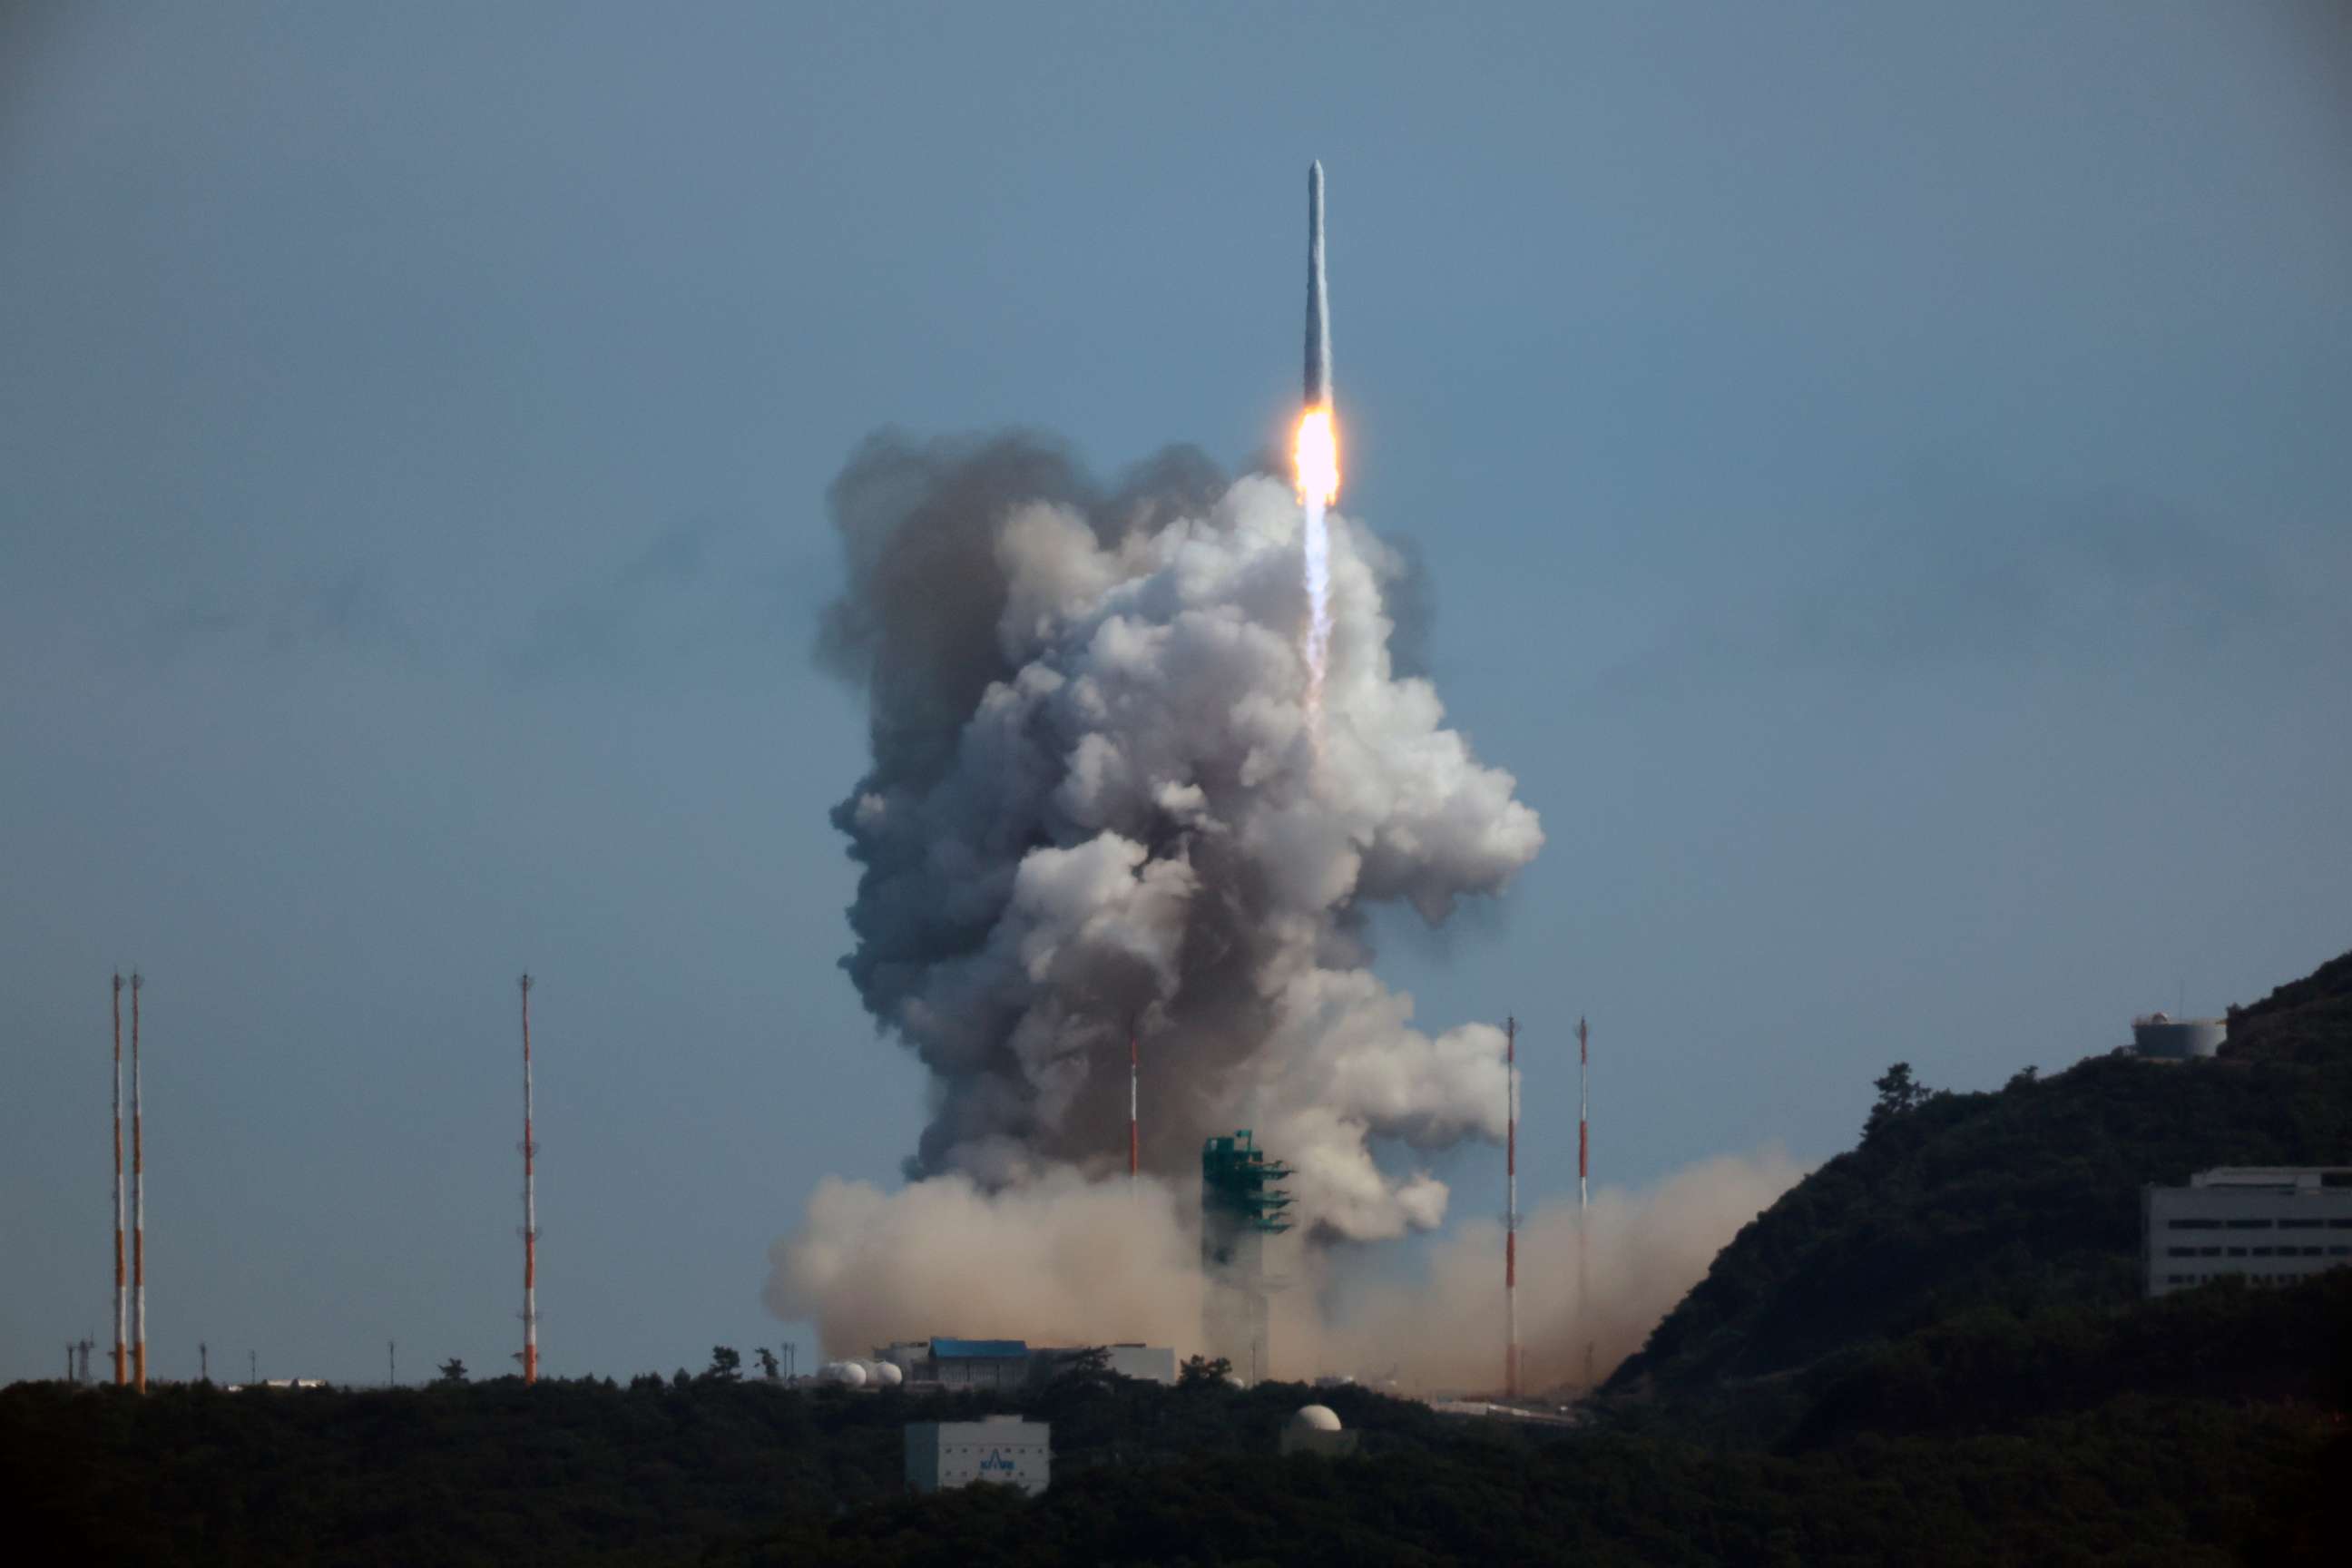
<point>1242,1203</point>
<point>1511,1210</point>
<point>121,1295</point>
<point>529,1209</point>
<point>1584,1193</point>
<point>138,1209</point>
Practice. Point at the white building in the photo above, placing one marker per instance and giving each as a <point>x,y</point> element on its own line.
<point>1009,1365</point>
<point>1002,1449</point>
<point>2272,1224</point>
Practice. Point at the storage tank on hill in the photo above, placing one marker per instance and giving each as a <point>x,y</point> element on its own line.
<point>2161,1035</point>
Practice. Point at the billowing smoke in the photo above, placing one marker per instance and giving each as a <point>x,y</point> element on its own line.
<point>1056,1261</point>
<point>1065,1262</point>
<point>1096,805</point>
<point>1645,1249</point>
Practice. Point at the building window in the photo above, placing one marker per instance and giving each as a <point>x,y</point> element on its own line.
<point>2345,1224</point>
<point>2194,1224</point>
<point>2250,1224</point>
<point>2237,1252</point>
<point>2301,1224</point>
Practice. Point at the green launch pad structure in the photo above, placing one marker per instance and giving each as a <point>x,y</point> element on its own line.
<point>1242,1203</point>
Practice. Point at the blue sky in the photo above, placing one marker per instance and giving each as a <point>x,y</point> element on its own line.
<point>1882,471</point>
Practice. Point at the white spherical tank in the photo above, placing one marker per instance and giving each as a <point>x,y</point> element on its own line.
<point>845,1374</point>
<point>885,1375</point>
<point>1315,1418</point>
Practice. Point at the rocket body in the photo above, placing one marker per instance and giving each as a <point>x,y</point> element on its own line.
<point>1319,301</point>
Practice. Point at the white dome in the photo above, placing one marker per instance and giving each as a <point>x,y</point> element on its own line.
<point>1315,1418</point>
<point>887,1374</point>
<point>847,1374</point>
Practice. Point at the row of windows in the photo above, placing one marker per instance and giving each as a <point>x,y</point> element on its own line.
<point>2258,1251</point>
<point>2249,1278</point>
<point>2344,1223</point>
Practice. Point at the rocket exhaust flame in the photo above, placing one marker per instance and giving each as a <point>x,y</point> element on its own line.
<point>1315,455</point>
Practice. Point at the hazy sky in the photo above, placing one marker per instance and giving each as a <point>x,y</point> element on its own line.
<point>1884,472</point>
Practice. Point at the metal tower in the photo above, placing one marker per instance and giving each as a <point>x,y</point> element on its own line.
<point>1242,1203</point>
<point>529,1209</point>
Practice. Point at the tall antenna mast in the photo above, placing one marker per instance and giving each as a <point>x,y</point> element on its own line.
<point>1511,1213</point>
<point>529,1211</point>
<point>1134,1141</point>
<point>1583,1191</point>
<point>138,1207</point>
<point>122,1302</point>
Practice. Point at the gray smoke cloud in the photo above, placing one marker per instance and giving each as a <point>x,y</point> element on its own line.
<point>1095,807</point>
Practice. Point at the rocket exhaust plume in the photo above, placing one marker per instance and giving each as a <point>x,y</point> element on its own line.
<point>1099,805</point>
<point>1093,806</point>
<point>1316,456</point>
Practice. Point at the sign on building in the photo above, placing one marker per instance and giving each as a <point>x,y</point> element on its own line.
<point>1005,1449</point>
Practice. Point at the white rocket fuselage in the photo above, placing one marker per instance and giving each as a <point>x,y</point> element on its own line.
<point>1319,301</point>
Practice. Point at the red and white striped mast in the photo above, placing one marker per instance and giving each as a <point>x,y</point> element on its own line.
<point>1134,1139</point>
<point>138,1209</point>
<point>121,1300</point>
<point>1511,1212</point>
<point>529,1210</point>
<point>1583,1191</point>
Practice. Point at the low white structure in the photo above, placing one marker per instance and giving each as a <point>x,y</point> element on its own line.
<point>1002,1449</point>
<point>2272,1224</point>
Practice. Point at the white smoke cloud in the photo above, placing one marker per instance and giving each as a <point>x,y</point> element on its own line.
<point>1644,1247</point>
<point>1105,798</point>
<point>1056,1261</point>
<point>1098,807</point>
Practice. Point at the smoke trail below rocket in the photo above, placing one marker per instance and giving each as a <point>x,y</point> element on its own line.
<point>1315,460</point>
<point>1314,555</point>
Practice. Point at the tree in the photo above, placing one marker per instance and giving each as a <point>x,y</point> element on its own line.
<point>1200,1371</point>
<point>453,1371</point>
<point>768,1368</point>
<point>1898,1094</point>
<point>726,1366</point>
<point>2024,1076</point>
<point>1093,1362</point>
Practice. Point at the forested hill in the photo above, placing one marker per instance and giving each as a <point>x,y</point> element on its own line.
<point>2309,1020</point>
<point>2023,1199</point>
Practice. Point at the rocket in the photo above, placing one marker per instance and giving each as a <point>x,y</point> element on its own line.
<point>1318,301</point>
